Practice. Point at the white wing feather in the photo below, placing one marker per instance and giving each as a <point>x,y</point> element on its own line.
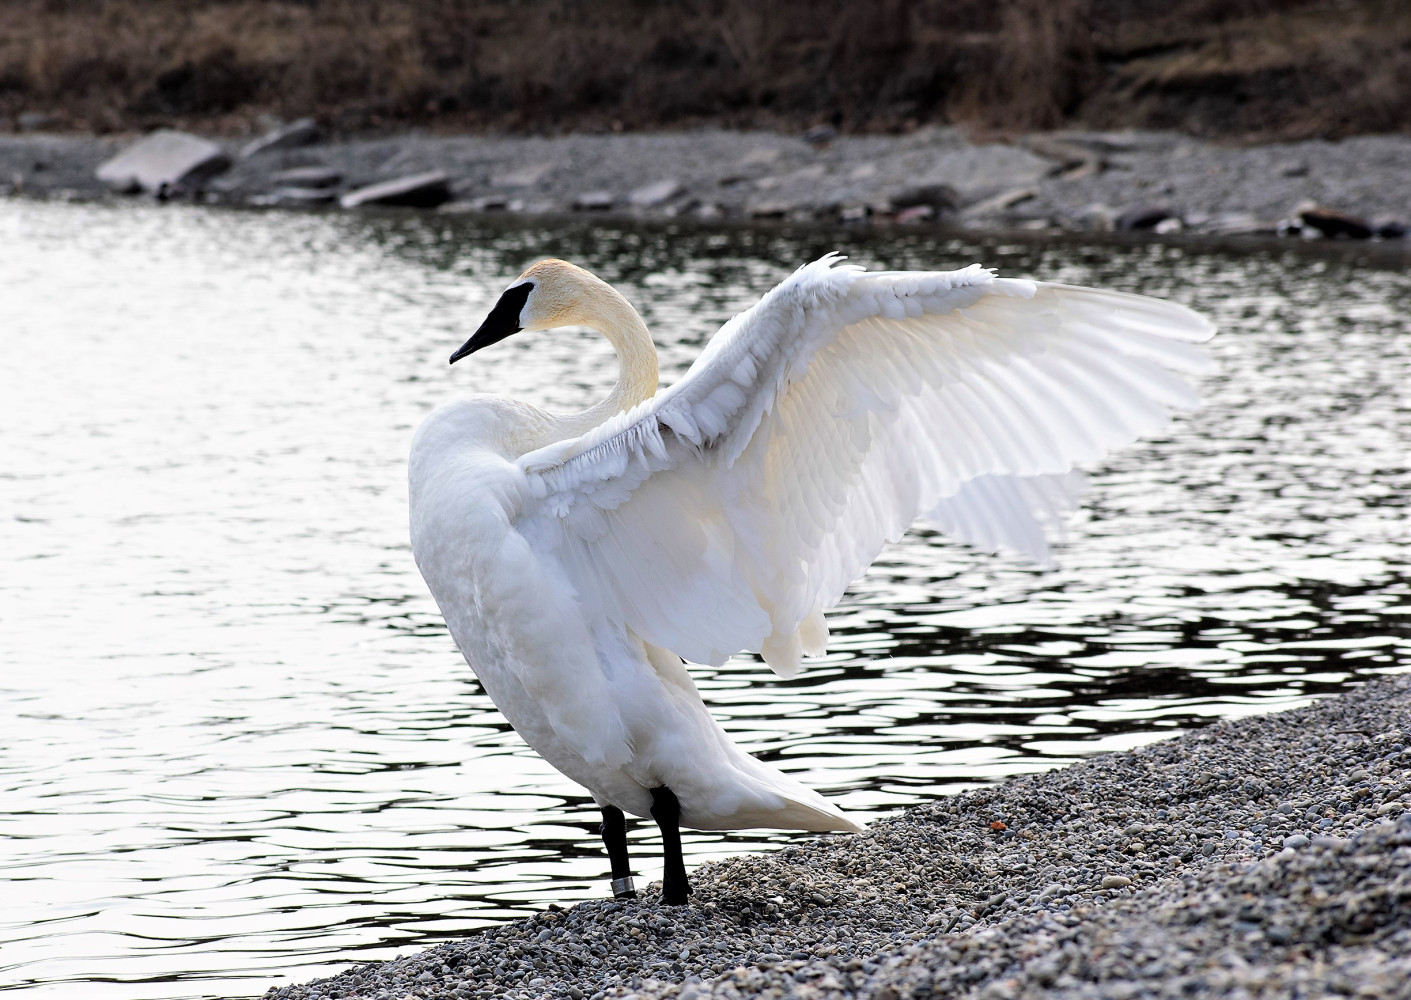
<point>728,511</point>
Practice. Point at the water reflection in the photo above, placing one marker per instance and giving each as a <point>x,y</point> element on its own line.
<point>238,743</point>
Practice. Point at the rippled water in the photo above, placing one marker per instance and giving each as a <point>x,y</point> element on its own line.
<point>238,746</point>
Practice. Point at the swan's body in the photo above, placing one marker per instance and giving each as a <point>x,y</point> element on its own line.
<point>611,712</point>
<point>577,559</point>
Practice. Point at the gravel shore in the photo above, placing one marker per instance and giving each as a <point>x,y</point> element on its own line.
<point>1265,857</point>
<point>1078,181</point>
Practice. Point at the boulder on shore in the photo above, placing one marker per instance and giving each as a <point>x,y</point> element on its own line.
<point>655,194</point>
<point>594,201</point>
<point>164,160</point>
<point>1142,217</point>
<point>303,132</point>
<point>938,197</point>
<point>426,190</point>
<point>308,177</point>
<point>1332,223</point>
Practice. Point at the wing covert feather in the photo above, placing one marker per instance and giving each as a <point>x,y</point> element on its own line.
<point>728,511</point>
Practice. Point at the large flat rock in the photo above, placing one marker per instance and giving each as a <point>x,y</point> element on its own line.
<point>163,160</point>
<point>426,190</point>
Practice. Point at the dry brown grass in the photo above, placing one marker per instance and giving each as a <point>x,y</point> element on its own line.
<point>1264,68</point>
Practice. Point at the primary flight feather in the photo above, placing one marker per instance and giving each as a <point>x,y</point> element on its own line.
<point>578,559</point>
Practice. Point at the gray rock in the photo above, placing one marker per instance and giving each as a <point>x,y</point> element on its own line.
<point>1068,157</point>
<point>522,177</point>
<point>656,193</point>
<point>1095,217</point>
<point>304,132</point>
<point>1140,217</point>
<point>916,213</point>
<point>1088,168</point>
<point>1390,227</point>
<point>1332,223</point>
<point>308,177</point>
<point>594,201</point>
<point>769,210</point>
<point>488,203</point>
<point>427,190</point>
<point>1296,841</point>
<point>679,207</point>
<point>1001,202</point>
<point>1237,224</point>
<point>163,161</point>
<point>301,196</point>
<point>941,197</point>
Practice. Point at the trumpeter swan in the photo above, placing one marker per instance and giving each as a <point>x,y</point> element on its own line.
<point>579,558</point>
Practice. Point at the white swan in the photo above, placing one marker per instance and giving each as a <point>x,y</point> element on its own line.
<point>577,559</point>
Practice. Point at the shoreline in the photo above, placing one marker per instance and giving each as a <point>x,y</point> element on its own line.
<point>1265,856</point>
<point>1153,183</point>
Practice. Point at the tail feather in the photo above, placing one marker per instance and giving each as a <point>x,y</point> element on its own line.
<point>765,798</point>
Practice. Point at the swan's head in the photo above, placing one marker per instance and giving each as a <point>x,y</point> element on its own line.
<point>552,293</point>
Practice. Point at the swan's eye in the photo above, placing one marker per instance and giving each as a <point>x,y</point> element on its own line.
<point>502,322</point>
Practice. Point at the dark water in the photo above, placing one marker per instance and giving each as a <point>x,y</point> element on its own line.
<point>238,746</point>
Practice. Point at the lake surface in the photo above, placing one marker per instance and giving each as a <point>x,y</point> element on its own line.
<point>238,745</point>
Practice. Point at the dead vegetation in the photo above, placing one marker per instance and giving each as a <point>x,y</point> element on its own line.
<point>1258,69</point>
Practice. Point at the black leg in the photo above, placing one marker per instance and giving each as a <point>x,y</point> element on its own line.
<point>667,812</point>
<point>614,831</point>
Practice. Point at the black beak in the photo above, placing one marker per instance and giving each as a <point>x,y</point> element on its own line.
<point>502,322</point>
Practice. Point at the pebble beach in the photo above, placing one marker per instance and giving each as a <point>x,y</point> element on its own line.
<point>1262,857</point>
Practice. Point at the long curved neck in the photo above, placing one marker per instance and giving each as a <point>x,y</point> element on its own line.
<point>606,311</point>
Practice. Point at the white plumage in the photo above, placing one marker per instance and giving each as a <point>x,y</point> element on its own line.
<point>578,559</point>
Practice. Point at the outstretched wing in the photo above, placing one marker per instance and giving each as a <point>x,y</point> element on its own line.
<point>728,511</point>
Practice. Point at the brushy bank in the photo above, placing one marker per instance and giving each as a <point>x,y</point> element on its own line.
<point>1265,857</point>
<point>1264,69</point>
